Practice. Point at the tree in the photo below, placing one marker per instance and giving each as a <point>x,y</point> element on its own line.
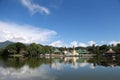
<point>92,49</point>
<point>14,48</point>
<point>1,51</point>
<point>10,49</point>
<point>34,49</point>
<point>117,48</point>
<point>48,49</point>
<point>19,47</point>
<point>103,48</point>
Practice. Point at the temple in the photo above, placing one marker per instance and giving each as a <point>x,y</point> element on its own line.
<point>110,51</point>
<point>74,52</point>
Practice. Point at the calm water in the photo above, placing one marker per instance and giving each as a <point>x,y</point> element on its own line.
<point>69,68</point>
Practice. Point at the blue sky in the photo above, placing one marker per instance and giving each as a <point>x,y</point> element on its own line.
<point>60,22</point>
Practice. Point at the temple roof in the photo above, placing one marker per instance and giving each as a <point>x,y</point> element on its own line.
<point>110,51</point>
<point>56,50</point>
<point>80,51</point>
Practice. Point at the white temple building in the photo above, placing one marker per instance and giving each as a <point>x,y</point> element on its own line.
<point>74,52</point>
<point>67,53</point>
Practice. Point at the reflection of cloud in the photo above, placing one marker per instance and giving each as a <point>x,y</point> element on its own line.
<point>84,64</point>
<point>57,66</point>
<point>92,66</point>
<point>24,73</point>
<point>74,65</point>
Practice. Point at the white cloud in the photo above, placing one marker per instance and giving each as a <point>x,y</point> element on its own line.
<point>74,43</point>
<point>82,45</point>
<point>114,42</point>
<point>34,8</point>
<point>24,33</point>
<point>90,43</point>
<point>103,42</point>
<point>58,43</point>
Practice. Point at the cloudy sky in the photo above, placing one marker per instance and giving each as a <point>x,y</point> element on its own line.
<point>60,22</point>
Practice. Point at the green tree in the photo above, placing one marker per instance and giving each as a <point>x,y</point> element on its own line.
<point>34,49</point>
<point>19,47</point>
<point>103,48</point>
<point>13,48</point>
<point>117,48</point>
<point>10,49</point>
<point>1,51</point>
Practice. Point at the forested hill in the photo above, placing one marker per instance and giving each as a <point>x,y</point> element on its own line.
<point>4,44</point>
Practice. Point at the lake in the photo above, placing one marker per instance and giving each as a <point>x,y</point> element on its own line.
<point>68,68</point>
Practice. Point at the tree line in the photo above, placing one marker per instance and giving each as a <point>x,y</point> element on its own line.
<point>30,50</point>
<point>34,49</point>
<point>103,48</point>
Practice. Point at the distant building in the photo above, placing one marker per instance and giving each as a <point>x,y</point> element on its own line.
<point>56,51</point>
<point>110,51</point>
<point>81,51</point>
<point>74,51</point>
<point>67,53</point>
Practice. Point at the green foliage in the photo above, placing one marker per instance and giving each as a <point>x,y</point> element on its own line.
<point>117,48</point>
<point>19,47</point>
<point>34,49</point>
<point>48,49</point>
<point>11,48</point>
<point>1,51</point>
<point>14,48</point>
<point>103,48</point>
<point>98,49</point>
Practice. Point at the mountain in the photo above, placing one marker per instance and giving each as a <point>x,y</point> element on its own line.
<point>4,44</point>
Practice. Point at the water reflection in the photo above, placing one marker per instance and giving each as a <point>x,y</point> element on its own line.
<point>24,69</point>
<point>105,61</point>
<point>66,68</point>
<point>24,73</point>
<point>73,62</point>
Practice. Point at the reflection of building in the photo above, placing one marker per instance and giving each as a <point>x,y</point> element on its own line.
<point>71,59</point>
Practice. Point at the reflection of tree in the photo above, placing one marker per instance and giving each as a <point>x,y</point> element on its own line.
<point>13,62</point>
<point>18,62</point>
<point>33,62</point>
<point>36,62</point>
<point>105,61</point>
